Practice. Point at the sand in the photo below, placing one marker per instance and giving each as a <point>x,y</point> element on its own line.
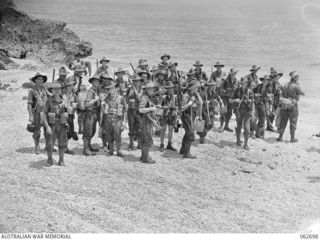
<point>273,188</point>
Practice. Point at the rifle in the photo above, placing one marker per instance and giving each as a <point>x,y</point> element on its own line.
<point>179,97</point>
<point>97,64</point>
<point>134,71</point>
<point>54,72</point>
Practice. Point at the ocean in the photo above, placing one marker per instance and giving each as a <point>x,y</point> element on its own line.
<point>282,34</point>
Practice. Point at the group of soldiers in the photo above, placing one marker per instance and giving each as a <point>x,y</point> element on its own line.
<point>160,99</point>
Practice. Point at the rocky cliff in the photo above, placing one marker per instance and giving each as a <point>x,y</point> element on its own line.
<point>47,42</point>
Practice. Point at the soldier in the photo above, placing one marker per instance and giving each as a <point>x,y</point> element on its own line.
<point>70,95</point>
<point>253,82</point>
<point>133,98</point>
<point>218,76</point>
<point>173,74</point>
<point>79,72</point>
<point>62,77</point>
<point>80,64</point>
<point>103,68</point>
<point>243,98</point>
<point>145,76</point>
<point>91,116</point>
<point>199,74</point>
<point>164,64</point>
<point>37,98</point>
<point>277,95</point>
<point>190,101</point>
<point>170,106</point>
<point>147,107</point>
<point>289,106</point>
<point>260,96</point>
<point>55,120</point>
<point>153,72</point>
<point>226,89</point>
<point>143,66</point>
<point>121,84</point>
<point>103,92</point>
<point>210,99</point>
<point>113,107</point>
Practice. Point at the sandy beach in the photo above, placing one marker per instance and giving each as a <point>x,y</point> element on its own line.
<point>273,188</point>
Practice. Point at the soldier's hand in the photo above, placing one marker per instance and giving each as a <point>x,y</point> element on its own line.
<point>193,98</point>
<point>31,119</point>
<point>97,98</point>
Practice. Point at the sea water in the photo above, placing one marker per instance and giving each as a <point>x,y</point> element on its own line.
<point>282,34</point>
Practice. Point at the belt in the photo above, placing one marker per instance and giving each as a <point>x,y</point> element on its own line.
<point>111,115</point>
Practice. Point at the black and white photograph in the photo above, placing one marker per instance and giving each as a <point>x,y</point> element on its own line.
<point>159,117</point>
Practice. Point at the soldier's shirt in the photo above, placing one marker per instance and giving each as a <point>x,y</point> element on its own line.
<point>53,106</point>
<point>169,100</point>
<point>200,75</point>
<point>103,70</point>
<point>292,90</point>
<point>144,101</point>
<point>91,94</point>
<point>217,76</point>
<point>229,84</point>
<point>113,103</point>
<point>37,97</point>
<point>253,79</point>
<point>244,95</point>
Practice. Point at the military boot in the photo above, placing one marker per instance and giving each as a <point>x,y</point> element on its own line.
<point>227,128</point>
<point>182,149</point>
<point>49,162</point>
<point>142,154</point>
<point>169,147</point>
<point>221,125</point>
<point>36,146</point>
<point>258,133</point>
<point>139,143</point>
<point>147,158</point>
<point>187,152</point>
<point>246,146</point>
<point>202,140</point>
<point>262,133</point>
<point>279,139</point>
<point>86,149</point>
<point>61,158</point>
<point>293,139</point>
<point>131,145</point>
<point>238,139</point>
<point>161,147</point>
<point>110,153</point>
<point>119,153</point>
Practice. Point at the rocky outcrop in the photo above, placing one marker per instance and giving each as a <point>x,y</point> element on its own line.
<point>47,42</point>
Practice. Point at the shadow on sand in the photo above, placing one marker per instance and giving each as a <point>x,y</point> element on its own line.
<point>39,164</point>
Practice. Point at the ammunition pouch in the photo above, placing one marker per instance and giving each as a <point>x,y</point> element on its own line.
<point>286,104</point>
<point>132,103</point>
<point>31,127</point>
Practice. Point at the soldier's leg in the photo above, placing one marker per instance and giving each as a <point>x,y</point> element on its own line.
<point>62,142</point>
<point>87,132</point>
<point>162,134</point>
<point>95,118</point>
<point>146,139</point>
<point>137,128</point>
<point>261,120</point>
<point>185,125</point>
<point>49,148</point>
<point>37,132</point>
<point>170,134</point>
<point>293,124</point>
<point>80,121</point>
<point>130,118</point>
<point>228,116</point>
<point>246,131</point>
<point>117,136</point>
<point>239,126</point>
<point>284,116</point>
